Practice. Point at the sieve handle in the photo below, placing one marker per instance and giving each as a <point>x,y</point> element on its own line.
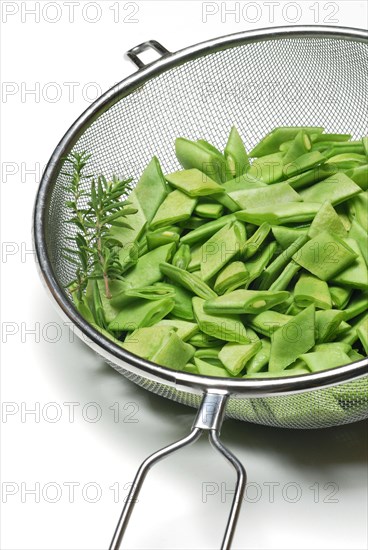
<point>209,417</point>
<point>149,45</point>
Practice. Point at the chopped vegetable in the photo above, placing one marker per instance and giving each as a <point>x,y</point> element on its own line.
<point>237,265</point>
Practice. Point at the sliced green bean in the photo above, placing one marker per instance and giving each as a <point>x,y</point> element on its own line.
<point>253,244</point>
<point>265,196</point>
<point>234,357</point>
<point>361,238</point>
<point>272,141</point>
<point>293,212</point>
<point>221,248</point>
<point>259,262</point>
<point>209,210</point>
<point>166,235</point>
<point>268,168</point>
<point>303,163</point>
<point>300,146</point>
<point>151,189</point>
<point>192,154</point>
<point>146,341</point>
<point>206,230</point>
<point>285,277</point>
<point>311,290</point>
<point>356,306</point>
<point>325,256</point>
<point>356,274</point>
<point>184,329</point>
<point>206,369</point>
<point>174,354</point>
<point>327,324</point>
<point>335,190</point>
<point>223,327</point>
<point>292,340</point>
<point>327,219</point>
<point>273,270</point>
<point>231,277</point>
<point>182,257</point>
<point>141,313</point>
<point>358,209</point>
<point>176,207</point>
<point>340,296</point>
<point>236,157</point>
<point>147,270</point>
<point>362,331</point>
<point>359,175</point>
<point>260,359</point>
<point>245,302</point>
<point>194,183</point>
<point>322,360</point>
<point>188,280</point>
<point>314,175</point>
<point>268,322</point>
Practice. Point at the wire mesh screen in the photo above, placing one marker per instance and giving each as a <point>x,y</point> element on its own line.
<point>305,81</point>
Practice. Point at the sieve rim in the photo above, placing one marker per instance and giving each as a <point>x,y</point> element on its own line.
<point>107,348</point>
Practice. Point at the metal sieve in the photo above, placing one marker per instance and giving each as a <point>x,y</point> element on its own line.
<point>310,76</point>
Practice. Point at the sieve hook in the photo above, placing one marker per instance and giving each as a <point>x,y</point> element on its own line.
<point>209,417</point>
<point>149,45</point>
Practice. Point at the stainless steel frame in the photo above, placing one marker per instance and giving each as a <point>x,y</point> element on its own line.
<point>215,390</point>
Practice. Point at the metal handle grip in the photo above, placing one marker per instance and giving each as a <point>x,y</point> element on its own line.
<point>209,417</point>
<point>149,45</point>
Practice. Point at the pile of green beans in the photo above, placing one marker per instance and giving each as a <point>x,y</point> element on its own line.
<point>245,265</point>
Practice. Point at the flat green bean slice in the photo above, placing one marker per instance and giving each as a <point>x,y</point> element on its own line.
<point>236,157</point>
<point>327,219</point>
<point>176,207</point>
<point>357,233</point>
<point>253,244</point>
<point>280,214</point>
<point>340,296</point>
<point>245,302</point>
<point>272,141</point>
<point>356,274</point>
<point>174,354</point>
<point>206,369</point>
<point>311,290</point>
<point>292,340</point>
<point>146,341</point>
<point>323,360</point>
<point>192,154</point>
<point>234,357</point>
<point>268,322</point>
<point>335,189</point>
<point>223,327</point>
<point>303,163</point>
<point>268,168</point>
<point>265,196</point>
<point>300,146</point>
<point>194,183</point>
<point>231,277</point>
<point>325,256</point>
<point>356,306</point>
<point>359,175</point>
<point>286,236</point>
<point>221,248</point>
<point>188,280</point>
<point>184,329</point>
<point>206,230</point>
<point>141,313</point>
<point>260,359</point>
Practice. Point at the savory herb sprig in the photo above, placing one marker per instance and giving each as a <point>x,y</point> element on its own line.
<point>94,209</point>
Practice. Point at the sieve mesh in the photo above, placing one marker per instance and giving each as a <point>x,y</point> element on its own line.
<point>298,80</point>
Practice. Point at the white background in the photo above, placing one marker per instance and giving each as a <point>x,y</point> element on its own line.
<point>185,502</point>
